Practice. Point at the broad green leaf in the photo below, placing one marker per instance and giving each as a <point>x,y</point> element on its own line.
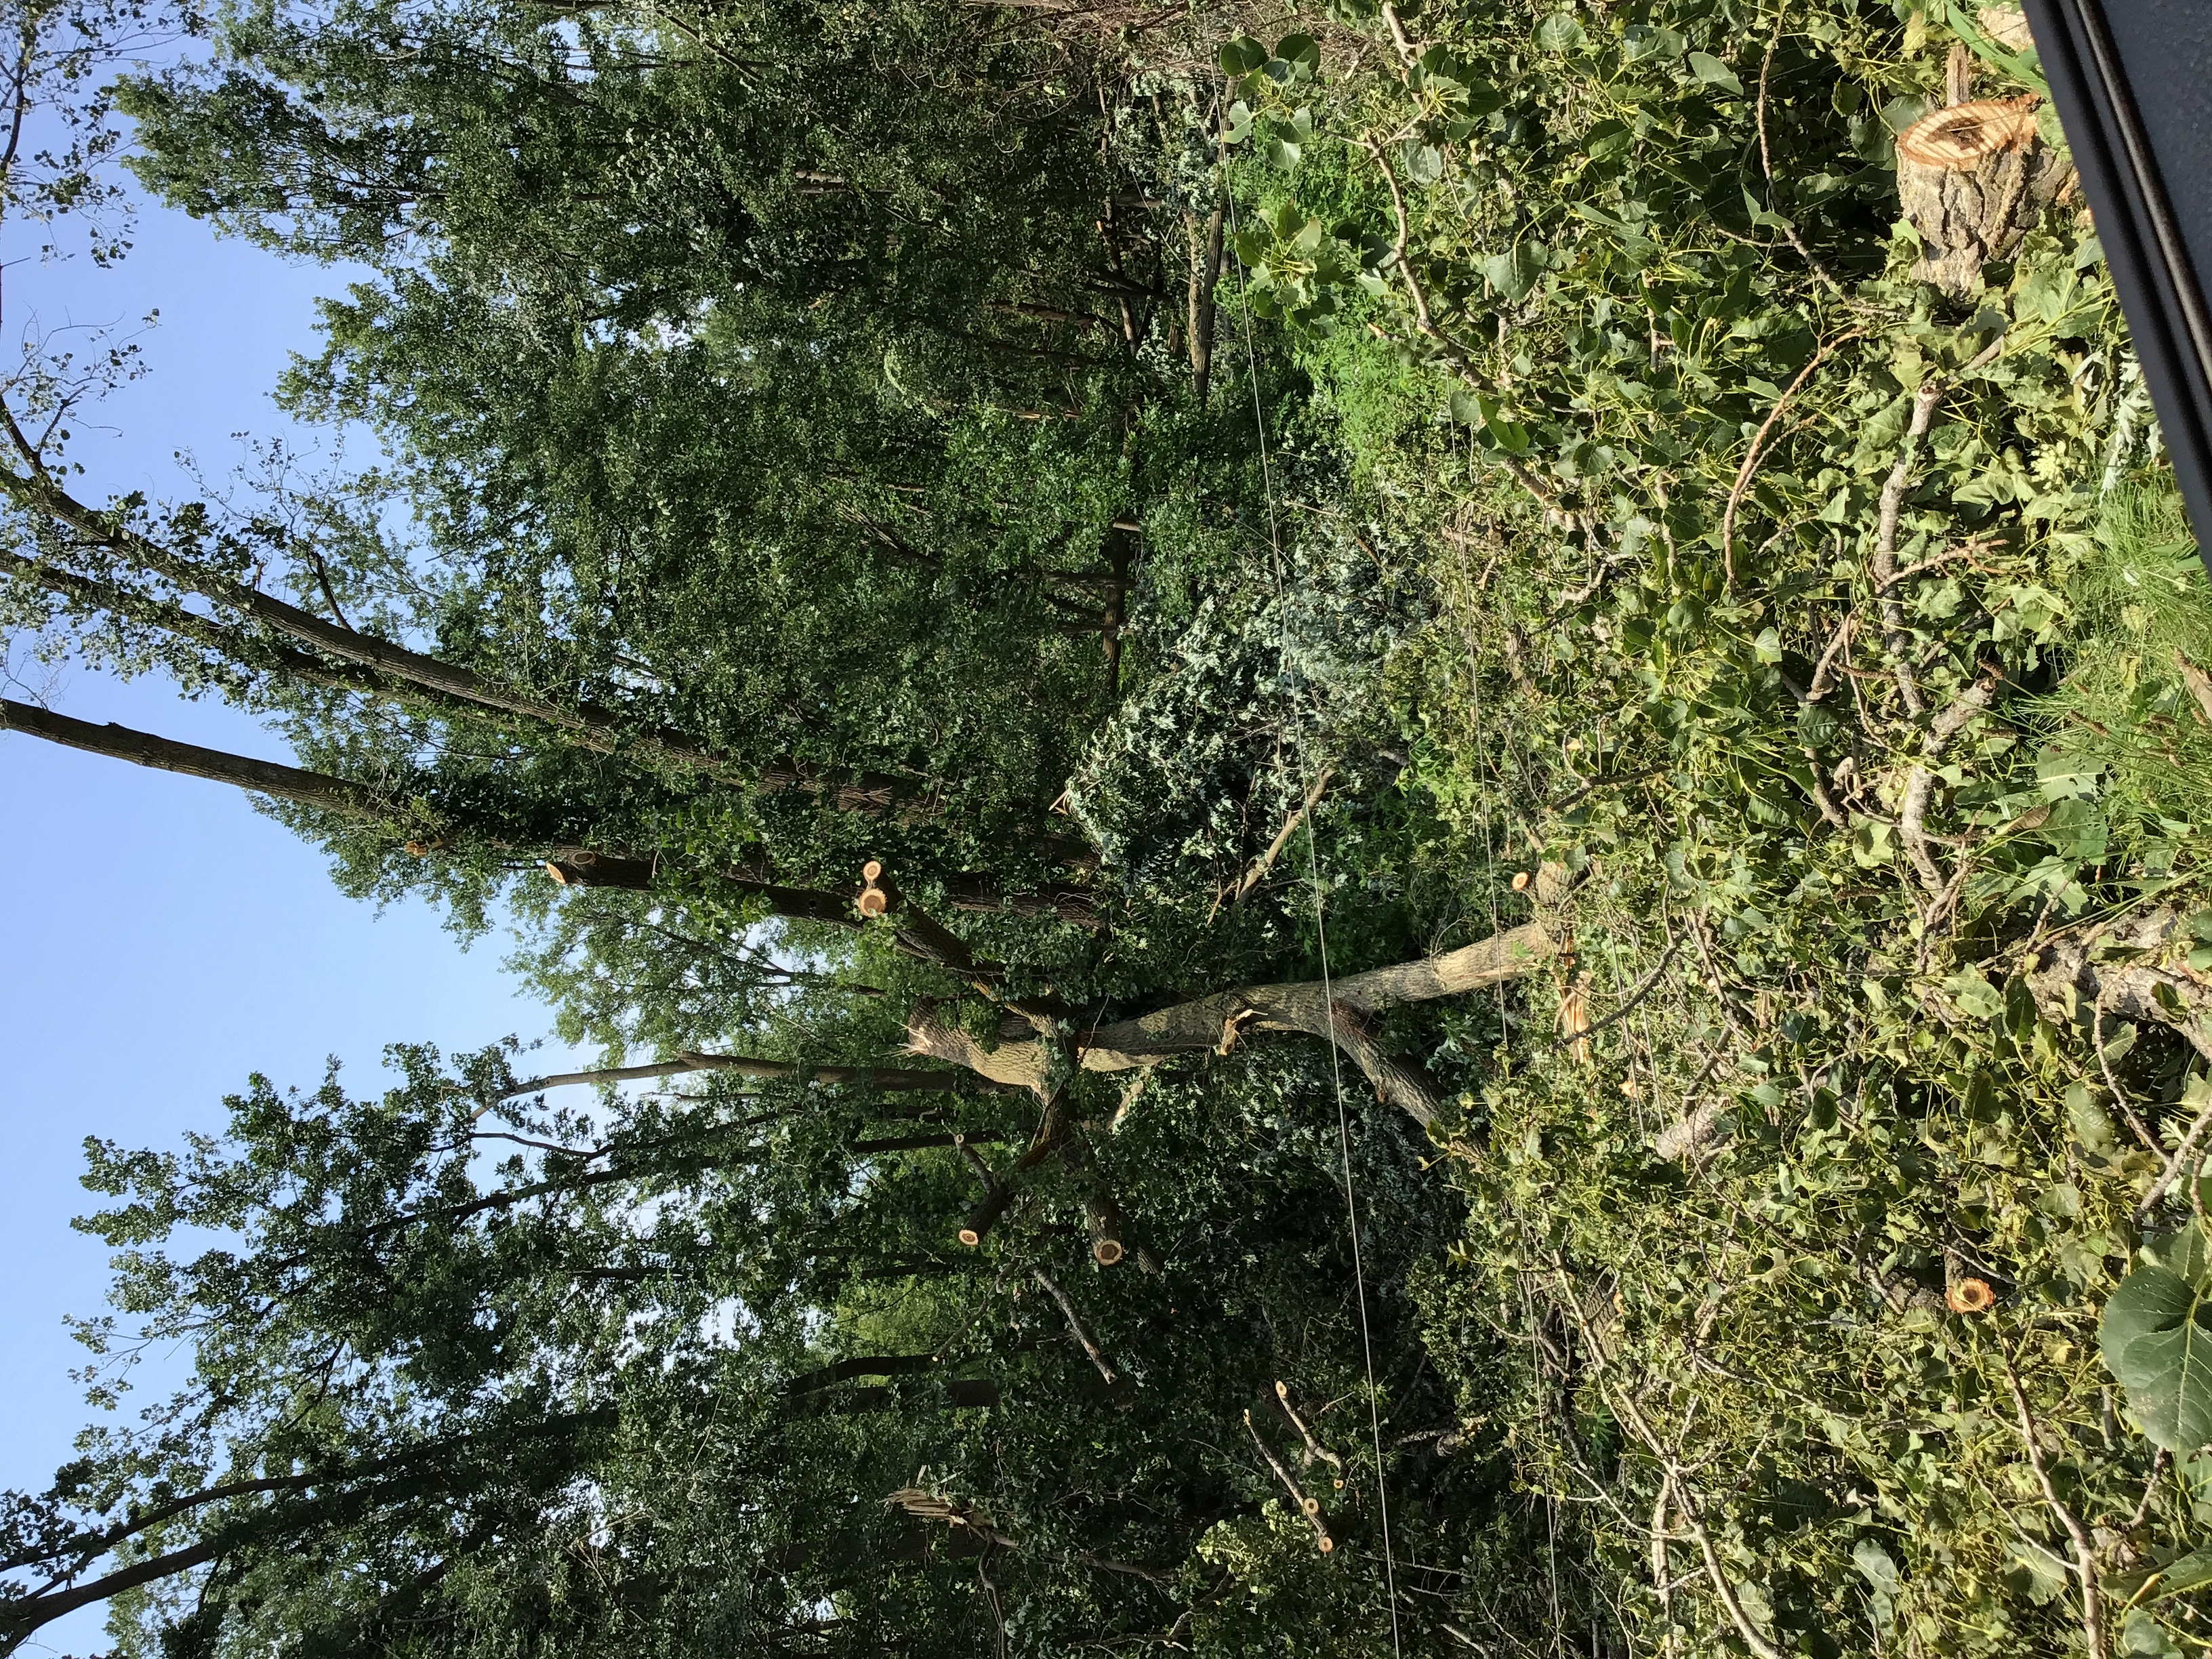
<point>1640,42</point>
<point>1874,1564</point>
<point>1513,274</point>
<point>1976,997</point>
<point>1242,55</point>
<point>1561,31</point>
<point>2192,1572</point>
<point>1761,215</point>
<point>2156,1337</point>
<point>1424,163</point>
<point>1301,53</point>
<point>2046,1573</point>
<point>2143,1636</point>
<point>1712,72</point>
<point>1606,140</point>
<point>2091,1124</point>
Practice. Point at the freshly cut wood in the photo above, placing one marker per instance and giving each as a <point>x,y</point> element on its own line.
<point>1973,180</point>
<point>2007,26</point>
<point>1106,1246</point>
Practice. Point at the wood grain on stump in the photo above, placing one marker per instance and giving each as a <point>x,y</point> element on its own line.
<point>1973,180</point>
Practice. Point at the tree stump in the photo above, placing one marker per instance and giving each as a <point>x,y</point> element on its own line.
<point>1974,179</point>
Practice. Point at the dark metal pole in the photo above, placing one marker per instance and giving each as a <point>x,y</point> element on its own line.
<point>2133,84</point>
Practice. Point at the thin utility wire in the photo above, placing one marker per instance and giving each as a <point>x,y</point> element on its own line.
<point>1321,936</point>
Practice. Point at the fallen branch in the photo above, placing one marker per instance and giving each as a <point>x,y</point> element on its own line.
<point>1895,641</point>
<point>1266,861</point>
<point>2085,1553</point>
<point>1745,472</point>
<point>1198,1026</point>
<point>1113,1378</point>
<point>2064,978</point>
<point>1314,1447</point>
<point>1309,1507</point>
<point>1920,785</point>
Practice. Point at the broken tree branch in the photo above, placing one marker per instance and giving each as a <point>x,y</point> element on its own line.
<point>1113,1378</point>
<point>1309,1507</point>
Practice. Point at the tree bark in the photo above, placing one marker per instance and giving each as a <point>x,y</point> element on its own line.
<point>880,1365</point>
<point>1973,180</point>
<point>1213,1023</point>
<point>318,789</point>
<point>1120,554</point>
<point>866,1076</point>
<point>1205,277</point>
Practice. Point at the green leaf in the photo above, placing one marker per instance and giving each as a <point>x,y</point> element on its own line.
<point>1561,31</point>
<point>1641,40</point>
<point>1870,843</point>
<point>2143,1636</point>
<point>1606,140</point>
<point>1301,53</point>
<point>2156,1337</point>
<point>1242,55</point>
<point>1515,273</point>
<point>2191,1572</point>
<point>1976,997</point>
<point>2046,1573</point>
<point>1875,1567</point>
<point>1712,72</point>
<point>1761,215</point>
<point>2091,1124</point>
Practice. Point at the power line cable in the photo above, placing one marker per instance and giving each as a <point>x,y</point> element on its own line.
<point>1320,935</point>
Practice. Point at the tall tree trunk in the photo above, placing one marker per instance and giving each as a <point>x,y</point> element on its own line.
<point>917,936</point>
<point>598,730</point>
<point>340,795</point>
<point>1120,555</point>
<point>867,1076</point>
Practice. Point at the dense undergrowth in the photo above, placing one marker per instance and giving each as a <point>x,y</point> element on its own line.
<point>1838,736</point>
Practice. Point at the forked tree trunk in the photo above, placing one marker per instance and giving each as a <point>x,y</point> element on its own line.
<point>1216,1023</point>
<point>381,665</point>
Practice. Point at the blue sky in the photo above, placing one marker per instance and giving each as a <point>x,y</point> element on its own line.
<point>159,938</point>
